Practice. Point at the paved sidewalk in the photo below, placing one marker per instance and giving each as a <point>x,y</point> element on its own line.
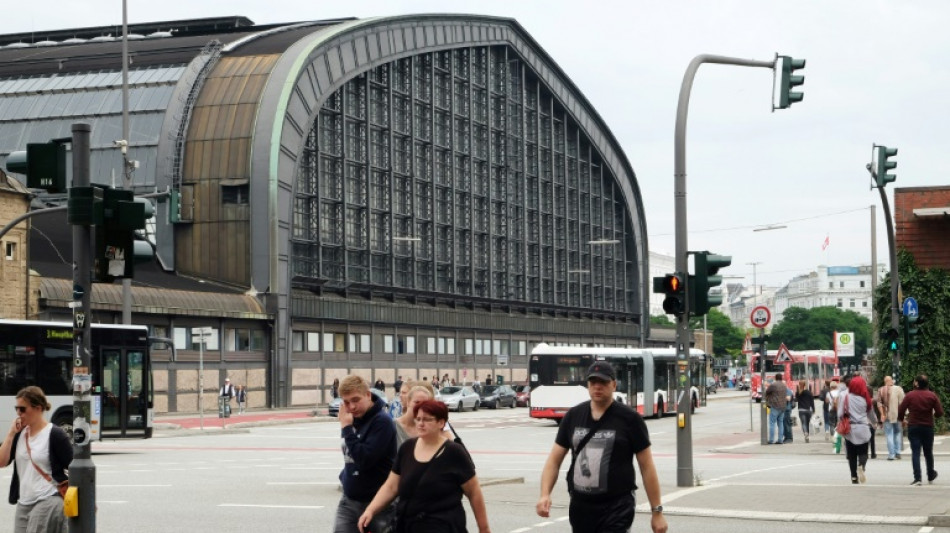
<point>173,424</point>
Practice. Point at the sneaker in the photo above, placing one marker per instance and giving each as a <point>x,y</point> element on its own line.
<point>890,457</point>
<point>806,438</point>
<point>898,456</point>
<point>930,479</point>
<point>854,481</point>
<point>915,483</point>
<point>861,476</point>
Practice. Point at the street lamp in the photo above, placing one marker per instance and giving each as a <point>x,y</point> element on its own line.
<point>201,333</point>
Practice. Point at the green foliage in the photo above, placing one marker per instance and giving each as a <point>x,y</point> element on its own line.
<point>661,320</point>
<point>813,329</point>
<point>727,339</point>
<point>931,289</point>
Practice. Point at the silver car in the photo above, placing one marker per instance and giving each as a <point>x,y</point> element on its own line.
<point>458,398</point>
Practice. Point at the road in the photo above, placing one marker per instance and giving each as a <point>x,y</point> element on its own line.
<point>282,478</point>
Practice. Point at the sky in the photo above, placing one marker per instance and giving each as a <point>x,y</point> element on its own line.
<point>877,72</point>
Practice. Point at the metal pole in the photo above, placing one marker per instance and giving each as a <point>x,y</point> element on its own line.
<point>127,167</point>
<point>82,471</point>
<point>684,439</point>
<point>895,281</point>
<point>875,318</point>
<point>201,377</point>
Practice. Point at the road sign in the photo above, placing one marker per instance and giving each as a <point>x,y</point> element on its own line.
<point>760,317</point>
<point>783,355</point>
<point>910,308</point>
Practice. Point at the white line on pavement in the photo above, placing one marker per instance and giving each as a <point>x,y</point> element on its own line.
<point>302,483</point>
<point>270,506</point>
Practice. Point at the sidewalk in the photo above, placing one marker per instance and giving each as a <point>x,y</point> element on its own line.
<point>171,425</point>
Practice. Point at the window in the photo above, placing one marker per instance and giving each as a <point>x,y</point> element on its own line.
<point>296,341</point>
<point>188,338</point>
<point>862,284</point>
<point>852,303</point>
<point>313,341</point>
<point>366,343</point>
<point>831,285</point>
<point>841,284</point>
<point>243,340</point>
<point>430,345</point>
<point>11,251</point>
<point>234,194</point>
<point>388,344</point>
<point>450,346</point>
<point>441,345</point>
<point>406,344</point>
<point>162,332</point>
<point>840,302</point>
<point>864,303</point>
<point>334,342</point>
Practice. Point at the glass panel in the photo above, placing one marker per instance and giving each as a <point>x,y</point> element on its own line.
<point>112,388</point>
<point>137,404</point>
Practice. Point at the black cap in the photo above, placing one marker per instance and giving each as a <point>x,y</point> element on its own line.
<point>601,370</point>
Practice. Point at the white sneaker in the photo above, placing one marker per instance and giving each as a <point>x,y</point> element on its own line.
<point>861,477</point>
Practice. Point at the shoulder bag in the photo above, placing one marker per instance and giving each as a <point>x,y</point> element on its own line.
<point>60,487</point>
<point>844,424</point>
<point>580,445</point>
<point>401,521</point>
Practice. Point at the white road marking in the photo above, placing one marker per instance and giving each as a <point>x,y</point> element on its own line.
<point>925,529</point>
<point>131,486</point>
<point>258,506</point>
<point>302,483</point>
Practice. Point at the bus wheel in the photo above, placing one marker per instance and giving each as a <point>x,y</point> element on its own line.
<point>65,423</point>
<point>659,409</point>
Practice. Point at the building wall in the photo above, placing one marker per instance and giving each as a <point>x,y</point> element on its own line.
<point>924,237</point>
<point>14,270</point>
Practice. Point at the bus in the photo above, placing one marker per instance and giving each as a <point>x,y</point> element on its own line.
<point>558,378</point>
<point>814,366</point>
<point>40,353</point>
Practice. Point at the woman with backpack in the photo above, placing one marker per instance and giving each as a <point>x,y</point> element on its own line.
<point>40,453</point>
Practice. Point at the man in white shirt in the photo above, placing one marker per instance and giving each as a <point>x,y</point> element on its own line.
<point>227,393</point>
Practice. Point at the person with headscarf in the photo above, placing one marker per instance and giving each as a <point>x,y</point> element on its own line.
<point>855,403</point>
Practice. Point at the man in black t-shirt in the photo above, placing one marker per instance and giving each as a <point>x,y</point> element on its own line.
<point>601,480</point>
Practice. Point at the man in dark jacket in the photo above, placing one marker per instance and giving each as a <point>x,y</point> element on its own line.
<point>920,406</point>
<point>369,449</point>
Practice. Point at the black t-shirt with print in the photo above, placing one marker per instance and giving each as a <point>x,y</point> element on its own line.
<point>605,465</point>
<point>439,495</point>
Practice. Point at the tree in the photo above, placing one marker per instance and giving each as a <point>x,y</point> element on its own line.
<point>813,329</point>
<point>931,289</point>
<point>727,339</point>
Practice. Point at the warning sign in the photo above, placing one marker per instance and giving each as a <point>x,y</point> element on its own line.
<point>783,355</point>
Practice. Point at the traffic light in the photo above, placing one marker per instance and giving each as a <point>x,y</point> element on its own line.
<point>789,81</point>
<point>707,265</point>
<point>116,246</point>
<point>911,329</point>
<point>890,337</point>
<point>883,165</point>
<point>44,165</point>
<point>674,287</point>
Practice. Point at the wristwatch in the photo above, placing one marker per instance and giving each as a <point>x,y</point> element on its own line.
<point>657,509</point>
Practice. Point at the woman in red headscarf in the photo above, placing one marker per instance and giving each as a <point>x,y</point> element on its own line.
<point>856,405</point>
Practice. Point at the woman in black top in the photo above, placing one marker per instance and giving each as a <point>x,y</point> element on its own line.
<point>806,406</point>
<point>430,475</point>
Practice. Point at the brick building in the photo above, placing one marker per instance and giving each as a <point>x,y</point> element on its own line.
<point>922,222</point>
<point>14,268</point>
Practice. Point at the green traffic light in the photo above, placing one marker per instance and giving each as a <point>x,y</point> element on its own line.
<point>789,81</point>
<point>884,164</point>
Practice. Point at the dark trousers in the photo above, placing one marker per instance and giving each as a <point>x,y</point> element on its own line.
<point>611,515</point>
<point>857,454</point>
<point>922,438</point>
<point>787,421</point>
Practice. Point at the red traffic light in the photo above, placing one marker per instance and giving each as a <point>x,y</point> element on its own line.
<point>672,283</point>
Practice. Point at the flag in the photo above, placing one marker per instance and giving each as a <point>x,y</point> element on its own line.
<point>826,243</point>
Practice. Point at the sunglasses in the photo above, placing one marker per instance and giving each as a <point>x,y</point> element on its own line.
<point>20,409</point>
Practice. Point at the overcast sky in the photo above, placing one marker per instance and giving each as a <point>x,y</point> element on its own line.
<point>877,72</point>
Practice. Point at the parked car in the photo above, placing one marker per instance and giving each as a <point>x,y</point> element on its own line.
<point>335,403</point>
<point>459,398</point>
<point>496,396</point>
<point>522,395</point>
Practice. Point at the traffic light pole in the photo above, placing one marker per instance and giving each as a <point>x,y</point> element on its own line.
<point>895,283</point>
<point>684,439</point>
<point>82,471</point>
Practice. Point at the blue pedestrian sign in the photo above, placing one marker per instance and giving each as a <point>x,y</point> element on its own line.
<point>910,309</point>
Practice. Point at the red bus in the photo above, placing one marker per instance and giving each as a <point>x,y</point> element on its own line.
<point>814,366</point>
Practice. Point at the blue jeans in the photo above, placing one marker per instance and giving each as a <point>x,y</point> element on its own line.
<point>922,437</point>
<point>776,422</point>
<point>893,435</point>
<point>348,512</point>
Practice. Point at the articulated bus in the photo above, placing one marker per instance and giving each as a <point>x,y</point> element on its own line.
<point>558,378</point>
<point>814,366</point>
<point>40,353</point>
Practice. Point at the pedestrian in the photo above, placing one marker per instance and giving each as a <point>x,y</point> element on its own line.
<point>227,393</point>
<point>488,380</point>
<point>431,474</point>
<point>917,411</point>
<point>790,405</point>
<point>855,404</point>
<point>601,479</point>
<point>241,399</point>
<point>776,397</point>
<point>40,460</point>
<point>890,397</point>
<point>806,406</point>
<point>379,385</point>
<point>416,393</point>
<point>335,388</point>
<point>397,385</point>
<point>369,448</point>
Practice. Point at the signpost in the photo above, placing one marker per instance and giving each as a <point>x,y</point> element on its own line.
<point>760,318</point>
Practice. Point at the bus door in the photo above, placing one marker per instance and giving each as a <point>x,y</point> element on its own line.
<point>629,372</point>
<point>124,406</point>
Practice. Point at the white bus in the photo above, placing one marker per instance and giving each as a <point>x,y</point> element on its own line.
<point>646,378</point>
<point>40,353</point>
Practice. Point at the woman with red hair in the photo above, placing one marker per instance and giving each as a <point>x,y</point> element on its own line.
<point>855,404</point>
